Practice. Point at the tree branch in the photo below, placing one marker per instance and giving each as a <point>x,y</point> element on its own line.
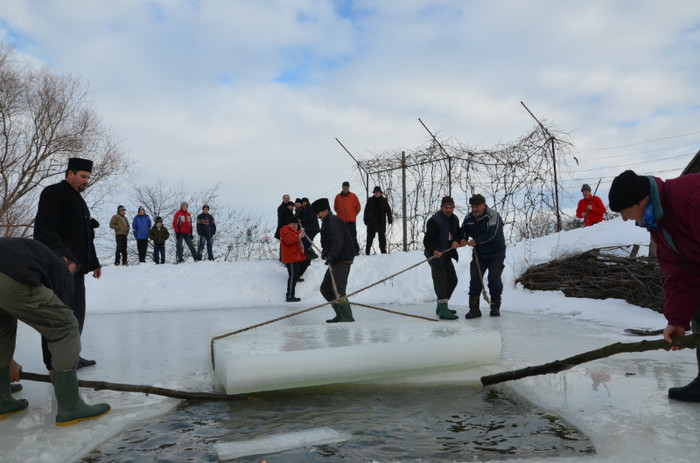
<point>690,342</point>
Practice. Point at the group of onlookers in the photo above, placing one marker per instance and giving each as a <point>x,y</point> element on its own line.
<point>143,231</point>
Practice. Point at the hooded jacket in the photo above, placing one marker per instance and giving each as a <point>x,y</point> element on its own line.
<point>487,232</point>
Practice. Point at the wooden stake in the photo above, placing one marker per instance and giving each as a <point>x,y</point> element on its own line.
<point>690,342</point>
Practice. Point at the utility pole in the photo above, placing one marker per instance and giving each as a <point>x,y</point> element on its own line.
<point>554,162</point>
<point>403,192</point>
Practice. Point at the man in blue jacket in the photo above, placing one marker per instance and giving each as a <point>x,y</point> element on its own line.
<point>142,227</point>
<point>206,229</point>
<point>484,227</point>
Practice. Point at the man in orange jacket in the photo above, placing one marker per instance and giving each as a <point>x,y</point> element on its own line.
<point>347,206</point>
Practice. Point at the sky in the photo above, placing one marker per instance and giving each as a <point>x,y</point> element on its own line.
<point>251,95</point>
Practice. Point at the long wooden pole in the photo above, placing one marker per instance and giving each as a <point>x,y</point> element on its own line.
<point>102,385</point>
<point>556,366</point>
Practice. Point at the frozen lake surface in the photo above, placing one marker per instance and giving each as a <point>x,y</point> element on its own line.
<point>152,325</point>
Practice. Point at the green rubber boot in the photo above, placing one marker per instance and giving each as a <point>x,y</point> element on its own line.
<point>443,312</point>
<point>71,407</point>
<point>8,405</point>
<point>345,312</point>
<point>337,317</point>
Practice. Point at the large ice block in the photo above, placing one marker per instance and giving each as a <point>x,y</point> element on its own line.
<point>285,357</point>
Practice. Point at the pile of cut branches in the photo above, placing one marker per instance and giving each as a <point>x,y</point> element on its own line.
<point>601,273</point>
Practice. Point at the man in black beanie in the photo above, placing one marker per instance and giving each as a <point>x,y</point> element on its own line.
<point>63,218</point>
<point>338,250</point>
<point>670,211</point>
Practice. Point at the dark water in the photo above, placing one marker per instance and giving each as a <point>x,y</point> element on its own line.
<point>387,424</point>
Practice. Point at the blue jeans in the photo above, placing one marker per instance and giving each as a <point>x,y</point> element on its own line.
<point>159,251</point>
<point>210,253</point>
<point>178,246</point>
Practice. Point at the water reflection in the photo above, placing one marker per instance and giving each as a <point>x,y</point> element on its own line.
<point>405,423</point>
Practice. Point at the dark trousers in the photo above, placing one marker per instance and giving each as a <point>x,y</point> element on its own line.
<point>159,253</point>
<point>77,305</point>
<point>444,279</point>
<point>178,246</point>
<point>295,271</point>
<point>352,226</point>
<point>202,239</point>
<point>381,236</point>
<point>494,269</point>
<point>121,250</point>
<point>340,273</point>
<point>142,246</point>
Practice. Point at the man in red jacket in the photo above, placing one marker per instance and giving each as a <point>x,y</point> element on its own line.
<point>670,211</point>
<point>347,206</point>
<point>591,208</point>
<point>293,256</point>
<point>182,224</point>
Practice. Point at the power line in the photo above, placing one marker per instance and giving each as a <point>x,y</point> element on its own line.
<point>644,152</point>
<point>639,143</point>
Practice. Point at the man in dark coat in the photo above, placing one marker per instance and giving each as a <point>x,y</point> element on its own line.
<point>442,237</point>
<point>63,218</point>
<point>282,215</point>
<point>35,285</point>
<point>377,214</point>
<point>338,250</point>
<point>485,228</point>
<point>670,211</point>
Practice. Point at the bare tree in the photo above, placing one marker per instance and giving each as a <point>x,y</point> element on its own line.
<point>45,118</point>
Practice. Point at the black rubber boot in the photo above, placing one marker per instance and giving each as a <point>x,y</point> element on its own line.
<point>71,408</point>
<point>443,312</point>
<point>688,393</point>
<point>496,307</point>
<point>8,405</point>
<point>15,388</point>
<point>474,311</point>
<point>82,363</point>
<point>345,312</point>
<point>337,317</point>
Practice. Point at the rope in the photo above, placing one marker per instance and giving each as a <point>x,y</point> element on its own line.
<point>394,312</point>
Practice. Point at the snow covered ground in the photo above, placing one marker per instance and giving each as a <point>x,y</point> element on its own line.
<point>152,325</point>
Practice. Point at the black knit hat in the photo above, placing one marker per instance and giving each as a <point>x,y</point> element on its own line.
<point>158,219</point>
<point>77,164</point>
<point>476,200</point>
<point>120,208</point>
<point>627,189</point>
<point>320,205</point>
<point>298,200</point>
<point>585,187</point>
<point>305,200</point>
<point>292,219</point>
<point>376,188</point>
<point>447,201</point>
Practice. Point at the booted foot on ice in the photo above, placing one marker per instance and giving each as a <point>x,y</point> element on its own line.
<point>293,299</point>
<point>71,408</point>
<point>687,393</point>
<point>8,405</point>
<point>473,313</point>
<point>443,311</point>
<point>82,363</point>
